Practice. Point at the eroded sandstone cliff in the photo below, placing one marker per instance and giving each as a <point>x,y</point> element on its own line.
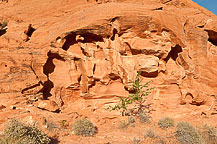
<point>70,56</point>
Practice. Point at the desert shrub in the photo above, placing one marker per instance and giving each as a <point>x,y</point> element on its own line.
<point>131,119</point>
<point>84,127</point>
<point>209,134</point>
<point>143,118</point>
<point>149,133</point>
<point>63,124</point>
<point>16,132</point>
<point>138,97</point>
<point>123,124</point>
<point>137,140</point>
<point>7,140</point>
<point>161,141</point>
<point>187,134</point>
<point>166,122</point>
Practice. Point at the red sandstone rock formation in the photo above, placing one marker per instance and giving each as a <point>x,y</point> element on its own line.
<point>83,55</point>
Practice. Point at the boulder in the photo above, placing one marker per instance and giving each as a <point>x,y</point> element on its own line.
<point>48,105</point>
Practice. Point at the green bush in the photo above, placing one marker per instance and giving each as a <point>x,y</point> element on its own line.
<point>138,97</point>
<point>187,134</point>
<point>209,134</point>
<point>166,122</point>
<point>84,127</point>
<point>16,132</point>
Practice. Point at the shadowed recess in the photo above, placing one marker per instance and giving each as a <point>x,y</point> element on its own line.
<point>31,30</point>
<point>2,32</point>
<point>174,53</point>
<point>115,31</point>
<point>70,40</point>
<point>149,75</point>
<point>48,85</point>
<point>48,68</point>
<point>49,65</point>
<point>88,38</point>
<point>212,37</point>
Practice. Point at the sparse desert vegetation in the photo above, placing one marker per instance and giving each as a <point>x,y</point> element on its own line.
<point>150,133</point>
<point>123,124</point>
<point>144,118</point>
<point>17,132</point>
<point>187,134</point>
<point>166,122</point>
<point>84,127</point>
<point>209,134</point>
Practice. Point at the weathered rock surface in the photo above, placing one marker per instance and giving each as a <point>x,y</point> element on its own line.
<point>48,105</point>
<point>2,107</point>
<point>76,55</point>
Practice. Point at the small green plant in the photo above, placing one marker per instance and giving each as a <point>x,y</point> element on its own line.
<point>84,127</point>
<point>209,134</point>
<point>17,132</point>
<point>138,97</point>
<point>143,118</point>
<point>3,25</point>
<point>166,122</point>
<point>187,134</point>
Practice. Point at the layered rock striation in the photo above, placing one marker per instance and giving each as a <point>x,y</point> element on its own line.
<point>92,50</point>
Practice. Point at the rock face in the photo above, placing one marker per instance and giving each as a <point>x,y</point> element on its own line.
<point>92,50</point>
